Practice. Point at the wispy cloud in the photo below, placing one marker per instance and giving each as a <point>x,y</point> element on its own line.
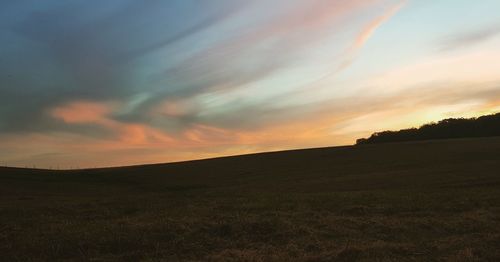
<point>370,29</point>
<point>470,38</point>
<point>368,32</point>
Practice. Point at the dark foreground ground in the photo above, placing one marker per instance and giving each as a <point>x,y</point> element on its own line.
<point>422,201</point>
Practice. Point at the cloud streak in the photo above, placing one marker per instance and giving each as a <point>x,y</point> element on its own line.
<point>470,38</point>
<point>367,32</point>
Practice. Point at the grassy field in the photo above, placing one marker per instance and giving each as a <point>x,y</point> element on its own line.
<point>419,201</point>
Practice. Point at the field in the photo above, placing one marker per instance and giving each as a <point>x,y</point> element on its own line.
<point>418,201</point>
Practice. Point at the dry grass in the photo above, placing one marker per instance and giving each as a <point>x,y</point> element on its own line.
<point>426,201</point>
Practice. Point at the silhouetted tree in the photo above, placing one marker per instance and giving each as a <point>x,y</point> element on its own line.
<point>483,126</point>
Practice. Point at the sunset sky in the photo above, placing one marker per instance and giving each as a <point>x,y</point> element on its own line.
<point>104,83</point>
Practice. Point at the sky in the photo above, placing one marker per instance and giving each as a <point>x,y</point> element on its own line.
<point>87,83</point>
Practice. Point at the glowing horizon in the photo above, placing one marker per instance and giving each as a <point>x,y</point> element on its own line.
<point>88,83</point>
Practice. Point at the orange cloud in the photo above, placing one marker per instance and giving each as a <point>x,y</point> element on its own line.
<point>142,135</point>
<point>129,134</point>
<point>334,123</point>
<point>80,112</point>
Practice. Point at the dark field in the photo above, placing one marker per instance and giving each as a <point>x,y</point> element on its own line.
<point>419,201</point>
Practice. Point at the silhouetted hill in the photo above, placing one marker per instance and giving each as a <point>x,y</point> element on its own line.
<point>419,201</point>
<point>484,126</point>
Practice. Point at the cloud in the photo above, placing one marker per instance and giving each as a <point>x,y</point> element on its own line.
<point>370,29</point>
<point>262,49</point>
<point>470,38</point>
<point>367,32</point>
<point>94,57</point>
<point>82,112</point>
<point>250,56</point>
<point>62,52</point>
<point>335,121</point>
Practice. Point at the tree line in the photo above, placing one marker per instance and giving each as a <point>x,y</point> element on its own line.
<point>484,126</point>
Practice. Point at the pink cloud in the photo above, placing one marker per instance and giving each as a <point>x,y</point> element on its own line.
<point>98,113</point>
<point>371,27</point>
<point>80,112</point>
<point>367,32</point>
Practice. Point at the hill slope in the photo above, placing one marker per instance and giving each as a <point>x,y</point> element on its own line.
<point>406,201</point>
